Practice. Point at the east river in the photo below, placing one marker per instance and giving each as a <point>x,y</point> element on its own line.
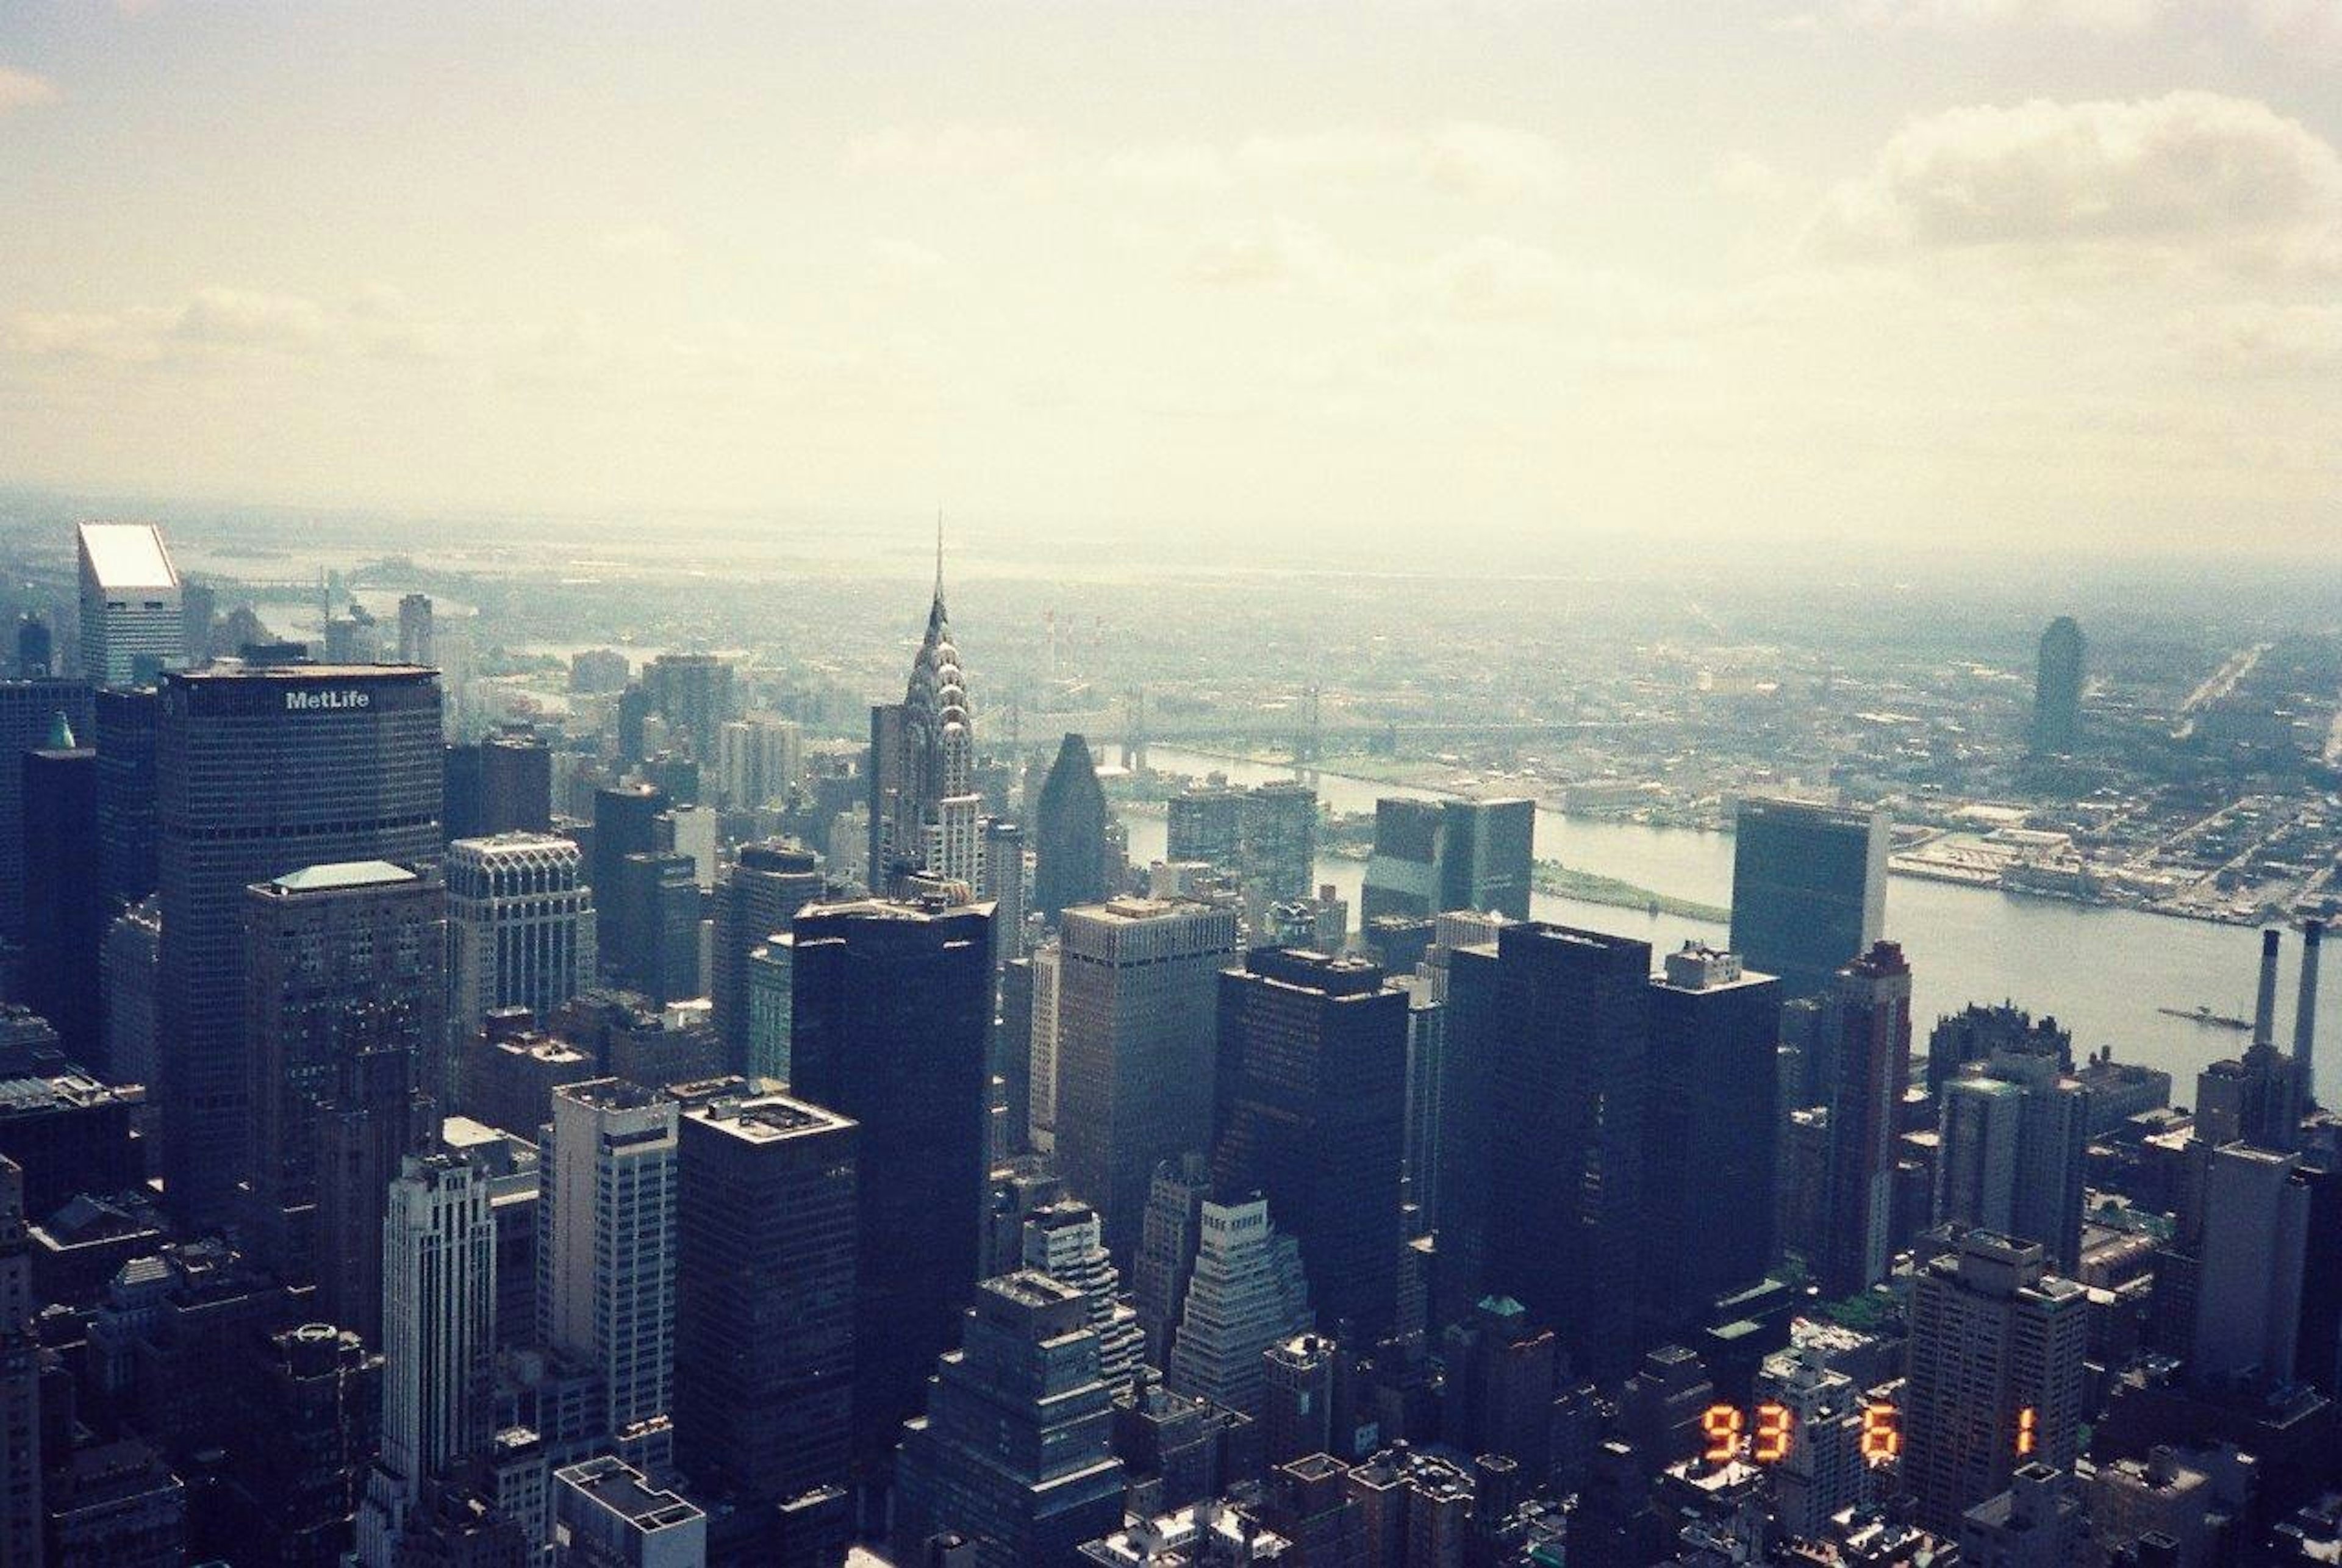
<point>2101,971</point>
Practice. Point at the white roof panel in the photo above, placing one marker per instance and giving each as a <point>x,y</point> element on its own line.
<point>128,555</point>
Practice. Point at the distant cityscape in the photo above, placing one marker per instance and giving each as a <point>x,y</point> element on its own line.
<point>494,1077</point>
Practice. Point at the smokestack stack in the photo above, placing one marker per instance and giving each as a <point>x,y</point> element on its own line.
<point>2265,1005</point>
<point>2305,1010</point>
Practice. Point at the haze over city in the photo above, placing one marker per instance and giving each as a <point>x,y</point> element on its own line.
<point>2031,275</point>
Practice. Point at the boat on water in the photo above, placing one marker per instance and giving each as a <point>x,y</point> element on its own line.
<point>2199,1014</point>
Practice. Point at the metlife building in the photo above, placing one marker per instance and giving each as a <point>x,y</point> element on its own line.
<point>262,770</point>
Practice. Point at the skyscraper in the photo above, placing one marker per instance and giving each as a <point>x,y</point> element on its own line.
<point>1278,860</point>
<point>1711,1136</point>
<point>758,758</point>
<point>626,822</point>
<point>924,806</point>
<point>414,629</point>
<point>1001,885</point>
<point>1137,989</point>
<point>1061,1240</point>
<point>757,897</point>
<point>2057,689</point>
<point>1976,1166</point>
<point>131,624</point>
<point>1996,1374</point>
<point>20,1380</point>
<point>520,930</point>
<point>1867,1020</point>
<point>124,721</point>
<point>606,1253</point>
<point>1175,1195</point>
<point>693,692</point>
<point>1310,1112</point>
<point>501,784</point>
<point>2250,1270</point>
<point>1069,833</point>
<point>1554,1027</point>
<point>66,912</point>
<point>1205,822</point>
<point>765,1268</point>
<point>29,712</point>
<point>369,1118</point>
<point>2014,1148</point>
<point>654,936</point>
<point>891,1014</point>
<point>1014,1452</point>
<point>1809,890</point>
<point>262,770</point>
<point>339,961</point>
<point>1246,1290</point>
<point>439,1335</point>
<point>1433,856</point>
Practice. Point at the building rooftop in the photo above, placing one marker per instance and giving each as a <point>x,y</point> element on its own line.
<point>128,555</point>
<point>620,1489</point>
<point>340,876</point>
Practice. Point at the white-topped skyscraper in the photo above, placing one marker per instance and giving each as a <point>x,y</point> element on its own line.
<point>926,815</point>
<point>520,929</point>
<point>132,622</point>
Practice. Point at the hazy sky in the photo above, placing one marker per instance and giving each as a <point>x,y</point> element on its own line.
<point>2057,272</point>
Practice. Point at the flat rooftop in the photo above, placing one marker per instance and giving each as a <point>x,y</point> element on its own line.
<point>128,555</point>
<point>341,875</point>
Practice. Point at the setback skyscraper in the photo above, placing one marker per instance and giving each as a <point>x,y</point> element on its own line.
<point>1311,1113</point>
<point>263,769</point>
<point>1138,988</point>
<point>1069,821</point>
<point>925,809</point>
<point>1809,890</point>
<point>520,929</point>
<point>891,1018</point>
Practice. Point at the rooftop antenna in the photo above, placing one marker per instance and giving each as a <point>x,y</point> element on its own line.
<point>939,552</point>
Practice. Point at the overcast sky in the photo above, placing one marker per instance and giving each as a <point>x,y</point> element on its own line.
<point>2053,274</point>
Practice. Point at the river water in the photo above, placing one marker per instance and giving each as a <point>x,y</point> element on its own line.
<point>2101,971</point>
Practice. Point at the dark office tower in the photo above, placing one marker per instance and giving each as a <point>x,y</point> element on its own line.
<point>1069,833</point>
<point>655,934</point>
<point>20,1381</point>
<point>1867,1021</point>
<point>370,1119</point>
<point>35,649</point>
<point>1560,1022</point>
<point>1996,1376</point>
<point>339,961</point>
<point>626,822</point>
<point>1206,822</point>
<point>1014,1453</point>
<point>765,1267</point>
<point>29,711</point>
<point>1137,989</point>
<point>1710,1132</point>
<point>1310,1112</point>
<point>123,726</point>
<point>2057,690</point>
<point>1279,859</point>
<point>634,713</point>
<point>1432,856</point>
<point>755,899</point>
<point>198,611</point>
<point>891,1014</point>
<point>693,692</point>
<point>1809,890</point>
<point>515,783</point>
<point>414,629</point>
<point>65,907</point>
<point>262,770</point>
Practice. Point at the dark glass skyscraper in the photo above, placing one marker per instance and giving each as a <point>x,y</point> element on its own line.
<point>1310,1112</point>
<point>1069,833</point>
<point>124,720</point>
<point>1710,1132</point>
<point>1558,1022</point>
<point>1867,1025</point>
<point>65,914</point>
<point>891,1017</point>
<point>2057,689</point>
<point>261,770</point>
<point>626,822</point>
<point>1809,890</point>
<point>28,719</point>
<point>765,1267</point>
<point>1432,856</point>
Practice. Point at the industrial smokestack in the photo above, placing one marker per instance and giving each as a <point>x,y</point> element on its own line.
<point>2265,1006</point>
<point>2305,1010</point>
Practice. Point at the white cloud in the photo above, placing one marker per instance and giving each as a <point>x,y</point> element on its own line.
<point>23,90</point>
<point>959,150</point>
<point>2190,169</point>
<point>2301,24</point>
<point>1951,15</point>
<point>1495,278</point>
<point>1746,177</point>
<point>1462,158</point>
